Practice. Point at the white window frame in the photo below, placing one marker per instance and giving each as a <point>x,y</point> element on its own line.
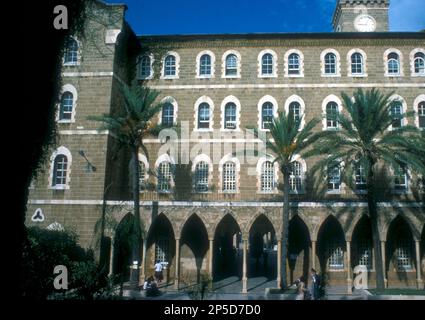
<point>139,66</point>
<point>330,98</point>
<point>303,165</point>
<point>173,101</point>
<point>337,63</point>
<point>419,99</point>
<point>260,163</point>
<point>202,158</point>
<point>79,54</point>
<point>412,62</point>
<point>198,65</point>
<point>296,98</point>
<point>349,54</point>
<point>235,160</point>
<point>273,101</point>
<point>62,150</point>
<point>225,101</point>
<point>177,57</point>
<point>260,64</point>
<point>404,120</point>
<point>407,182</point>
<point>301,62</point>
<point>208,100</point>
<point>165,158</point>
<point>400,63</point>
<point>67,88</point>
<point>144,160</point>
<point>341,183</point>
<point>238,65</point>
<point>356,190</point>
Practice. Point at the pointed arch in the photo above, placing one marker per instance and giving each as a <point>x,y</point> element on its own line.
<point>256,219</point>
<point>229,217</point>
<point>404,219</point>
<point>331,244</point>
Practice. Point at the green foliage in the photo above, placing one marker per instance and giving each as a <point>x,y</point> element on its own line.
<point>45,249</point>
<point>364,138</point>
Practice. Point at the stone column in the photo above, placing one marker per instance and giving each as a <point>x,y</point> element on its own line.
<point>384,263</point>
<point>210,260</point>
<point>419,281</point>
<point>313,254</point>
<point>111,256</point>
<point>177,267</point>
<point>144,261</point>
<point>279,264</point>
<point>349,279</point>
<point>244,267</point>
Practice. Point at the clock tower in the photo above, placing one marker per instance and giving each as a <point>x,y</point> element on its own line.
<point>361,16</point>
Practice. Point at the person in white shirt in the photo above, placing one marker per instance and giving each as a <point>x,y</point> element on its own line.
<point>158,271</point>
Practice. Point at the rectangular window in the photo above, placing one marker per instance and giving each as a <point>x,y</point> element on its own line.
<point>402,254</point>
<point>334,178</point>
<point>400,179</point>
<point>360,178</point>
<point>201,177</point>
<point>162,246</point>
<point>229,177</point>
<point>294,64</point>
<point>421,115</point>
<point>336,256</point>
<point>267,115</point>
<point>357,63</point>
<point>364,253</point>
<point>164,177</point>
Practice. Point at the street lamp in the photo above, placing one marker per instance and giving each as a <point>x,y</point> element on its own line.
<point>89,166</point>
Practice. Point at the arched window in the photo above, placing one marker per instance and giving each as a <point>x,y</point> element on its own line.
<point>330,64</point>
<point>419,63</point>
<point>266,115</point>
<point>60,167</point>
<point>204,116</point>
<point>145,68</point>
<point>170,66</point>
<point>205,65</point>
<point>229,177</point>
<point>167,115</point>
<point>296,177</point>
<point>267,64</point>
<point>332,112</point>
<point>295,110</point>
<point>421,114</point>
<point>201,176</point>
<point>267,177</point>
<point>396,113</point>
<point>230,116</point>
<point>393,64</point>
<point>164,177</point>
<point>71,52</point>
<point>334,177</point>
<point>294,64</point>
<point>357,66</point>
<point>231,65</point>
<point>66,106</point>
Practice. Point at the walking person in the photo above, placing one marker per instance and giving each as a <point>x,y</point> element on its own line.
<point>158,271</point>
<point>314,287</point>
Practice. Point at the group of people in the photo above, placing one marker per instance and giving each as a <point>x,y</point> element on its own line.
<point>151,283</point>
<point>311,293</point>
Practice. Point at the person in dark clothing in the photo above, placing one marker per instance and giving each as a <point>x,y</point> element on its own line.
<point>314,285</point>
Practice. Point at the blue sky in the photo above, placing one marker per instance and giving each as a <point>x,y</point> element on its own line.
<point>248,16</point>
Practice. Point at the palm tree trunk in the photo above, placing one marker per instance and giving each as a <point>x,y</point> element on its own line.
<point>285,228</point>
<point>136,227</point>
<point>373,212</point>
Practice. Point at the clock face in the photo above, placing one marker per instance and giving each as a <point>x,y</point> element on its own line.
<point>365,23</point>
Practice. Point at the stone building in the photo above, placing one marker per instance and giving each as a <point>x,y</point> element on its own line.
<point>208,208</point>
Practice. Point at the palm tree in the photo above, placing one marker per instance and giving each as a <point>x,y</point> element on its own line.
<point>129,127</point>
<point>289,139</point>
<point>364,140</point>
